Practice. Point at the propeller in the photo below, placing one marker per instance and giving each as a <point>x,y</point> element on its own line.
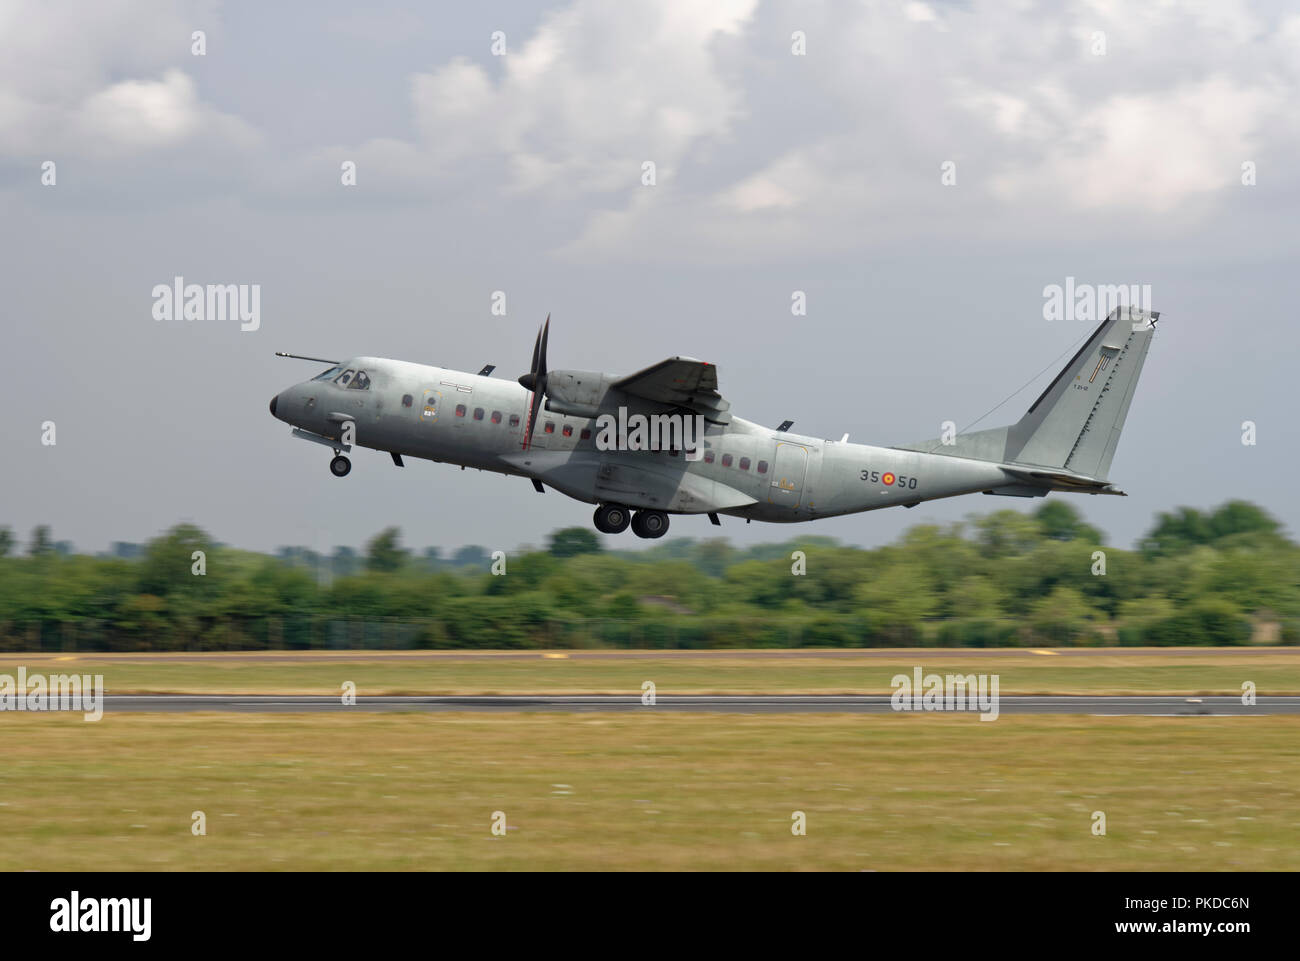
<point>535,379</point>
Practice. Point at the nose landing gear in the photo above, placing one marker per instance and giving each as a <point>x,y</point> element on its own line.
<point>340,466</point>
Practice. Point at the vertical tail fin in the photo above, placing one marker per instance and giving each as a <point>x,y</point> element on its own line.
<point>1075,423</point>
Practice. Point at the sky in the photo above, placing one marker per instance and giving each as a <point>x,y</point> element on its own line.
<point>921,172</point>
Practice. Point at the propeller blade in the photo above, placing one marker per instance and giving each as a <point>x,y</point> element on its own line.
<point>537,347</point>
<point>540,364</point>
<point>533,409</point>
<point>535,379</point>
<point>529,380</point>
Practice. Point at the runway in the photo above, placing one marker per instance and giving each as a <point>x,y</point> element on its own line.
<point>706,703</point>
<point>675,654</point>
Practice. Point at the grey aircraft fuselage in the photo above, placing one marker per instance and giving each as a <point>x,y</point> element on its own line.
<point>744,469</point>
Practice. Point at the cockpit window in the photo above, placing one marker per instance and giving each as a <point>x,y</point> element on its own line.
<point>360,382</point>
<point>344,378</point>
<point>326,375</point>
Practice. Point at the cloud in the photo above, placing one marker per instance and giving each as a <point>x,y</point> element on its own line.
<point>1148,152</point>
<point>757,151</point>
<point>1016,98</point>
<point>137,115</point>
<point>85,79</point>
<point>595,91</point>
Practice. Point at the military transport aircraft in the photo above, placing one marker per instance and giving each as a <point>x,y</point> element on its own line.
<point>593,436</point>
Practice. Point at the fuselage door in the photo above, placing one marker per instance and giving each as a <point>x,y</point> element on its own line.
<point>788,475</point>
<point>429,406</point>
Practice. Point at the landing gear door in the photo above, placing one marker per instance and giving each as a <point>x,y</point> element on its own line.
<point>788,473</point>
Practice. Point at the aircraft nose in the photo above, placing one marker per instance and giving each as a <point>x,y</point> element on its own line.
<point>273,400</point>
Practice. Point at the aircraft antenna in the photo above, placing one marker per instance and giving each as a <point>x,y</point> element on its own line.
<point>1050,365</point>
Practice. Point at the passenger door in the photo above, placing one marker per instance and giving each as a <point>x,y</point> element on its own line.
<point>788,472</point>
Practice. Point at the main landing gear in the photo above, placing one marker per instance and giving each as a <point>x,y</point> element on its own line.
<point>650,524</point>
<point>614,519</point>
<point>340,466</point>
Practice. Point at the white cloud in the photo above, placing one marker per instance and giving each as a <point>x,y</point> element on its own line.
<point>62,92</point>
<point>141,114</point>
<point>594,92</point>
<point>1150,152</point>
<point>757,152</point>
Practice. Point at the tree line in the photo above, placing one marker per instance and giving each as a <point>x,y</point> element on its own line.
<point>1221,576</point>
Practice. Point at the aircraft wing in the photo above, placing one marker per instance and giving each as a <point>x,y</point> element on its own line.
<point>682,382</point>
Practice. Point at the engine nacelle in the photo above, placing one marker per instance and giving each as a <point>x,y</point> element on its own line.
<point>576,392</point>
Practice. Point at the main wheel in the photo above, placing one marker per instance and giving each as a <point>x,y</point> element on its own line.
<point>340,466</point>
<point>612,519</point>
<point>650,524</point>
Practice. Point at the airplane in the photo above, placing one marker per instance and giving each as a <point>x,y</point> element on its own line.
<point>583,433</point>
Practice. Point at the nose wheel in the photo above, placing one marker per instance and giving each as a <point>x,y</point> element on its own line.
<point>340,466</point>
<point>612,519</point>
<point>650,524</point>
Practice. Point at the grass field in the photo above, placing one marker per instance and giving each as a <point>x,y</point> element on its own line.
<point>417,791</point>
<point>1183,671</point>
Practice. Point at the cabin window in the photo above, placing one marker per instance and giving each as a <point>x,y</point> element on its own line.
<point>327,374</point>
<point>550,427</point>
<point>343,378</point>
<point>568,430</point>
<point>762,467</point>
<point>407,400</point>
<point>360,382</point>
<point>460,410</point>
<point>496,417</point>
<point>744,463</point>
<point>708,457</point>
<point>478,413</point>
<point>586,434</point>
<point>514,420</point>
<point>726,460</point>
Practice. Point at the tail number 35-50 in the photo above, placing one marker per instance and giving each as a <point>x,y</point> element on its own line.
<point>889,479</point>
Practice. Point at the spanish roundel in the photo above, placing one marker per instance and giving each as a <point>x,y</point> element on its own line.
<point>888,478</point>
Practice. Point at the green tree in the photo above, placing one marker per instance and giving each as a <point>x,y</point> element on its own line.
<point>1007,533</point>
<point>383,553</point>
<point>714,556</point>
<point>1188,527</point>
<point>572,541</point>
<point>41,543</point>
<point>1061,521</point>
<point>169,559</point>
<point>472,555</point>
<point>6,541</point>
<point>344,562</point>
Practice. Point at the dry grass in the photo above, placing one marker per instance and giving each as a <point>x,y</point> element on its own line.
<point>417,791</point>
<point>1175,671</point>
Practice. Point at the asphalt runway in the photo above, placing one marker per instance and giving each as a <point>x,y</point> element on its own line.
<point>705,703</point>
<point>675,654</point>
